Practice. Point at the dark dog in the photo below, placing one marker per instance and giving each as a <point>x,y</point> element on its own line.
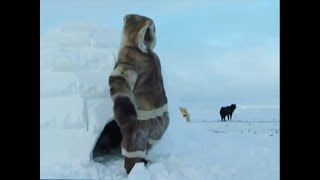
<point>227,111</point>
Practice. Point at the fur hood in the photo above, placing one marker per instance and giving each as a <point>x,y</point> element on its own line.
<point>139,31</point>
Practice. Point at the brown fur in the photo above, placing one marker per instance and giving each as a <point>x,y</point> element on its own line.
<point>136,86</point>
<point>148,90</point>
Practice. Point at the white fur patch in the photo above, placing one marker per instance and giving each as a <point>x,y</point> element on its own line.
<point>153,141</point>
<point>130,75</point>
<point>133,154</point>
<point>145,115</point>
<point>123,40</point>
<point>152,31</point>
<point>116,72</point>
<point>115,96</point>
<point>140,39</point>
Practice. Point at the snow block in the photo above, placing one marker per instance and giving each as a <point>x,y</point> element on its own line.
<point>47,57</point>
<point>81,59</point>
<point>57,84</point>
<point>99,59</point>
<point>99,111</point>
<point>67,60</point>
<point>63,112</point>
<point>78,47</point>
<point>92,84</point>
<point>64,146</point>
<point>105,38</point>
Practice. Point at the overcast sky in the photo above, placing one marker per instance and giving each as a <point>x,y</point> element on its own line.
<point>220,51</point>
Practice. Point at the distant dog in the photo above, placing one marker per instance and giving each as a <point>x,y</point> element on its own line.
<point>185,113</point>
<point>227,111</point>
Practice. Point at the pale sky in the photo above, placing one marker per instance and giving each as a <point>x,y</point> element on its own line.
<point>220,51</point>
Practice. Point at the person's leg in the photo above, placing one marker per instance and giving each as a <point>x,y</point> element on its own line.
<point>158,126</point>
<point>134,144</point>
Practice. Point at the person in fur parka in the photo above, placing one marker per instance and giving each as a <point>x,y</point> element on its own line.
<point>136,87</point>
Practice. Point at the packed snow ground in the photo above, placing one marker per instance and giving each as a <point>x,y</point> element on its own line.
<point>74,65</point>
<point>195,150</point>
